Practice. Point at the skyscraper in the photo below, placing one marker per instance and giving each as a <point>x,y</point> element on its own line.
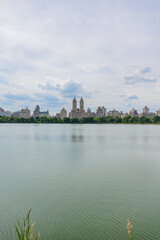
<point>63,113</point>
<point>74,104</point>
<point>81,104</point>
<point>37,113</point>
<point>77,112</point>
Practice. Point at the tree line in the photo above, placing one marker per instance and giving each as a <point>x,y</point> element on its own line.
<point>108,119</point>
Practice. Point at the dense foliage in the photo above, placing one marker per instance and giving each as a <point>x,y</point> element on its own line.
<point>108,119</point>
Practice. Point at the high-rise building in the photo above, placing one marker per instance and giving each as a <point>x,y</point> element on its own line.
<point>115,113</point>
<point>57,115</point>
<point>63,113</point>
<point>77,112</point>
<point>37,112</point>
<point>5,113</point>
<point>133,113</point>
<point>157,112</point>
<point>23,113</point>
<point>16,114</point>
<point>74,104</point>
<point>145,110</point>
<point>81,104</point>
<point>104,110</point>
<point>89,113</point>
<point>101,111</point>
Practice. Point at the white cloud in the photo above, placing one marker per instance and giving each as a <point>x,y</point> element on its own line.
<point>90,42</point>
<point>96,68</point>
<point>66,88</point>
<point>145,70</point>
<point>138,76</point>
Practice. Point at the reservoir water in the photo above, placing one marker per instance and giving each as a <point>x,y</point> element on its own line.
<point>81,181</point>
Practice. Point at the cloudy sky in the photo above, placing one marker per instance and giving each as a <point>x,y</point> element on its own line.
<point>107,51</point>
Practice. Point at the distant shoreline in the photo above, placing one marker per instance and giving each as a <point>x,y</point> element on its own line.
<point>89,120</point>
<point>83,123</point>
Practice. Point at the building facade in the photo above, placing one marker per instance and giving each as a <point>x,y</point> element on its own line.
<point>23,113</point>
<point>157,112</point>
<point>63,113</point>
<point>115,113</point>
<point>89,113</point>
<point>5,113</point>
<point>133,113</point>
<point>77,112</point>
<point>37,112</point>
<point>57,115</point>
<point>145,112</point>
<point>101,111</point>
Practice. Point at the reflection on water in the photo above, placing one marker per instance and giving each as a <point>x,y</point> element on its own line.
<point>77,138</point>
<point>82,181</point>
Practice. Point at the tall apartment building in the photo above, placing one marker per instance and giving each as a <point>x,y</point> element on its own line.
<point>23,113</point>
<point>5,113</point>
<point>63,113</point>
<point>37,112</point>
<point>77,112</point>
<point>145,112</point>
<point>115,113</point>
<point>157,112</point>
<point>133,113</point>
<point>101,111</point>
<point>89,113</point>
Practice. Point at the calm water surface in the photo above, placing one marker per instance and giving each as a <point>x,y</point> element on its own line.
<point>81,181</point>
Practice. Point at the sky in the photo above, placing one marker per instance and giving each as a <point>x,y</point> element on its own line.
<point>107,51</point>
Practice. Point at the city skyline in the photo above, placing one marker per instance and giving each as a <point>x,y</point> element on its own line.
<point>79,111</point>
<point>106,51</point>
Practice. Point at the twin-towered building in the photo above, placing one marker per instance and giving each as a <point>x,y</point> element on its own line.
<point>77,112</point>
<point>80,112</point>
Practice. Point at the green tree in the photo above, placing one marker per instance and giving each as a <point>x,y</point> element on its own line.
<point>75,120</point>
<point>66,120</point>
<point>145,119</point>
<point>102,120</point>
<point>96,120</point>
<point>134,120</point>
<point>126,119</point>
<point>110,119</point>
<point>118,119</point>
<point>87,120</point>
<point>156,119</point>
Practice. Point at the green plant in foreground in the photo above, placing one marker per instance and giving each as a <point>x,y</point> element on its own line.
<point>25,230</point>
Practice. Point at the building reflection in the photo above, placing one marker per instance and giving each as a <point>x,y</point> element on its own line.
<point>77,138</point>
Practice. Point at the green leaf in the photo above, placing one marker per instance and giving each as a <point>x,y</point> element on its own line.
<point>19,236</point>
